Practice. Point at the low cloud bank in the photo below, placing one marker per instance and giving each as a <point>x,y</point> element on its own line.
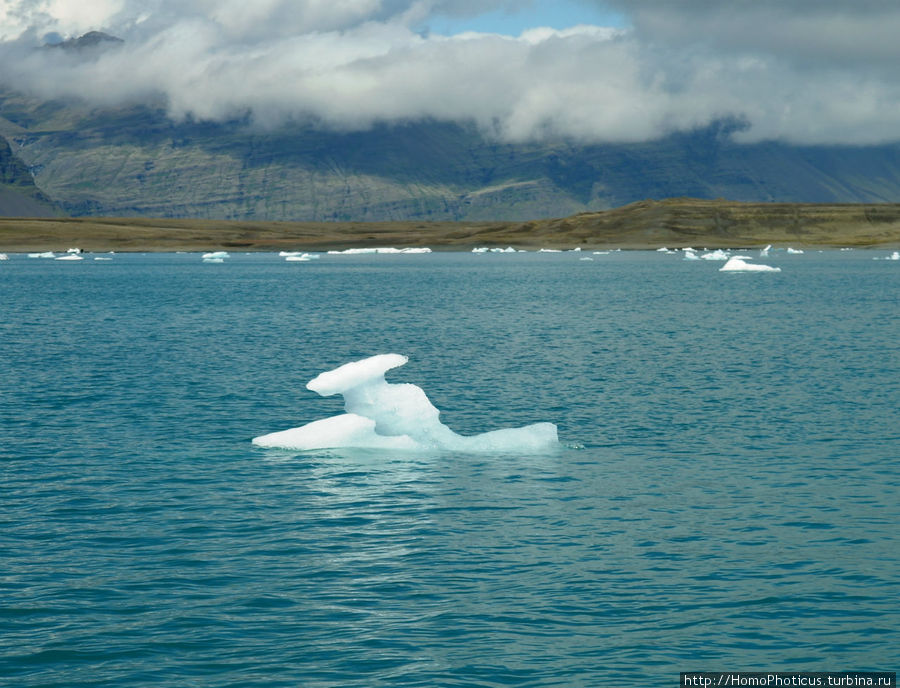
<point>821,76</point>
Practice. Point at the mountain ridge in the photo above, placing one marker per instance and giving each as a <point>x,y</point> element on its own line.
<point>135,161</point>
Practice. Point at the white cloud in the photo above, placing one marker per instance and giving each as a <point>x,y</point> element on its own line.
<point>821,75</point>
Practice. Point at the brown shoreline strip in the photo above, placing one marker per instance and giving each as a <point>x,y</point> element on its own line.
<point>644,225</point>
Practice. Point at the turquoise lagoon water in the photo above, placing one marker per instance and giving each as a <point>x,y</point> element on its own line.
<point>727,497</point>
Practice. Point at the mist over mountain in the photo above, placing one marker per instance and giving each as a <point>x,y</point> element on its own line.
<point>137,161</point>
<point>310,110</point>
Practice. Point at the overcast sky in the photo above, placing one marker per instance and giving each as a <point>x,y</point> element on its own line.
<point>804,71</point>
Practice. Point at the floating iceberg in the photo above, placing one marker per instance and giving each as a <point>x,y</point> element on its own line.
<point>380,249</point>
<point>381,415</point>
<point>3,256</point>
<point>689,254</point>
<point>738,264</point>
<point>764,252</point>
<point>70,257</point>
<point>794,250</point>
<point>45,254</point>
<point>718,254</point>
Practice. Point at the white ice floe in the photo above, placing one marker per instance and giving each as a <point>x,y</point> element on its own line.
<point>101,258</point>
<point>215,257</point>
<point>739,264</point>
<point>3,256</point>
<point>795,251</point>
<point>299,257</point>
<point>894,256</point>
<point>379,249</point>
<point>765,252</point>
<point>44,254</point>
<point>549,250</point>
<point>689,254</point>
<point>381,415</point>
<point>74,250</point>
<point>718,254</point>
<point>70,257</point>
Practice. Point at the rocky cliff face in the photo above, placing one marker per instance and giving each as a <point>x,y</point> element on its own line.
<point>136,162</point>
<point>19,197</point>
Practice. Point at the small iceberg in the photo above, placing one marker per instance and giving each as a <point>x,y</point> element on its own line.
<point>765,252</point>
<point>794,251</point>
<point>739,264</point>
<point>718,254</point>
<point>3,256</point>
<point>689,254</point>
<point>45,254</point>
<point>894,256</point>
<point>70,257</point>
<point>380,249</point>
<point>382,415</point>
<point>215,257</point>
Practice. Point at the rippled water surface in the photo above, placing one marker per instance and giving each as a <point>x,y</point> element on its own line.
<point>727,499</point>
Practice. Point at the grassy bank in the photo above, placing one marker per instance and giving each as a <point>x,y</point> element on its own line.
<point>644,225</point>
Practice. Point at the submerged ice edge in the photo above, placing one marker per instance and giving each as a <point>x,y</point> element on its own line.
<point>382,415</point>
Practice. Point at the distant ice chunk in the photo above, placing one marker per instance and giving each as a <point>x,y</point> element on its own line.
<point>689,254</point>
<point>70,257</point>
<point>379,249</point>
<point>794,250</point>
<point>739,264</point>
<point>44,254</point>
<point>718,254</point>
<point>3,256</point>
<point>382,415</point>
<point>765,252</point>
<point>549,250</point>
<point>215,254</point>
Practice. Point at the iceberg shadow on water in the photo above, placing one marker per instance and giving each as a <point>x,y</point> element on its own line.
<point>382,415</point>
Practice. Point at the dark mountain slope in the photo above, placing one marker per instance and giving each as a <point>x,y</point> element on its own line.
<point>136,162</point>
<point>19,197</point>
